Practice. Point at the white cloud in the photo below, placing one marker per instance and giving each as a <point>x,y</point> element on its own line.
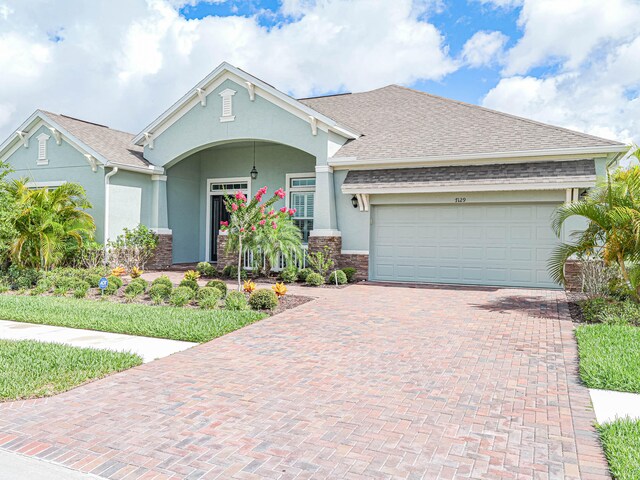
<point>483,48</point>
<point>502,3</point>
<point>596,87</point>
<point>122,62</point>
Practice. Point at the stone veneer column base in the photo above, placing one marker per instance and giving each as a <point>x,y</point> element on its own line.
<point>163,256</point>
<point>359,261</point>
<point>573,275</point>
<point>224,258</point>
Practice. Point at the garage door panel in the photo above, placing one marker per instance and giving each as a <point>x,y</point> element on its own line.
<point>482,244</point>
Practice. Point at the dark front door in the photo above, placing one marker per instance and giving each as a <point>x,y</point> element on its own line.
<point>218,214</point>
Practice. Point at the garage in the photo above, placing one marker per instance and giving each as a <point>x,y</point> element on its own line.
<point>506,244</point>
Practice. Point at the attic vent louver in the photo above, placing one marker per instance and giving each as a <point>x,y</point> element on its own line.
<point>42,149</point>
<point>227,105</point>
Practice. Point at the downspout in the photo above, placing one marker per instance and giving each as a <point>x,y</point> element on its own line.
<point>107,177</point>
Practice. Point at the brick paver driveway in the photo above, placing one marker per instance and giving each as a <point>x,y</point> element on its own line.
<point>367,382</point>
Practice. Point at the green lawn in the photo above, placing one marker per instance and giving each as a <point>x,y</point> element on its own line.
<point>621,442</point>
<point>30,369</point>
<point>610,356</point>
<point>187,324</point>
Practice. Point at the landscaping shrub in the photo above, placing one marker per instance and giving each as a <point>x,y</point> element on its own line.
<point>248,286</point>
<point>136,272</point>
<point>220,285</point>
<point>206,269</point>
<point>235,301</point>
<point>314,279</point>
<point>263,299</point>
<point>19,278</point>
<point>321,261</point>
<point>163,280</point>
<point>160,292</point>
<point>192,284</point>
<point>303,274</point>
<point>191,275</point>
<point>44,285</point>
<point>280,289</point>
<point>231,271</point>
<point>93,279</point>
<point>140,281</point>
<point>81,289</point>
<point>614,312</point>
<point>208,297</point>
<point>337,276</point>
<point>133,248</point>
<point>113,280</point>
<point>181,296</point>
<point>134,289</point>
<point>289,274</point>
<point>350,272</point>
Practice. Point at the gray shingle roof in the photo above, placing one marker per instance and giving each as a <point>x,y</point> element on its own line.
<point>114,145</point>
<point>531,172</point>
<point>398,122</point>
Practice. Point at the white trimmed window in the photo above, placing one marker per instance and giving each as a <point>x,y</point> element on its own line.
<point>42,149</point>
<point>227,105</point>
<point>302,193</point>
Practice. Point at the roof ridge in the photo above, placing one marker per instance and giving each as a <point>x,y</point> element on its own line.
<point>504,114</point>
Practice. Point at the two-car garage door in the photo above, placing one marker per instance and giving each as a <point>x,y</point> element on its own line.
<point>474,244</point>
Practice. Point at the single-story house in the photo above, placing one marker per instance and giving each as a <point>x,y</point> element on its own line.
<point>404,185</point>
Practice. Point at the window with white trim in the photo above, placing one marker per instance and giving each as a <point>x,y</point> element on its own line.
<point>42,149</point>
<point>302,193</point>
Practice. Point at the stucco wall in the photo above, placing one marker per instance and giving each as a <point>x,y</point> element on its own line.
<point>187,187</point>
<point>130,201</point>
<point>65,164</point>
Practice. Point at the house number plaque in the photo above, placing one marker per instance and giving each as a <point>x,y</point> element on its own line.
<point>461,199</point>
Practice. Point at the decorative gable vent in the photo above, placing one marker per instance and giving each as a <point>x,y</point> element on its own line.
<point>42,149</point>
<point>227,105</point>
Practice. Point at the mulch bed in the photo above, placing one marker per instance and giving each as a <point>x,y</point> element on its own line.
<point>290,301</point>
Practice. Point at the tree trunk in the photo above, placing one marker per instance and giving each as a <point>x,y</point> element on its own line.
<point>239,262</point>
<point>625,275</point>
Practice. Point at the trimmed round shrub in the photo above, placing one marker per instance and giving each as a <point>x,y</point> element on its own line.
<point>231,271</point>
<point>140,281</point>
<point>314,279</point>
<point>338,277</point>
<point>81,289</point>
<point>113,280</point>
<point>134,289</point>
<point>289,274</point>
<point>159,292</point>
<point>303,274</point>
<point>163,280</point>
<point>181,296</point>
<point>192,284</point>
<point>220,285</point>
<point>111,289</point>
<point>206,269</point>
<point>350,272</point>
<point>208,297</point>
<point>235,301</point>
<point>263,299</point>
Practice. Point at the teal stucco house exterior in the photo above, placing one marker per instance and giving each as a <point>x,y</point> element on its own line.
<point>403,185</point>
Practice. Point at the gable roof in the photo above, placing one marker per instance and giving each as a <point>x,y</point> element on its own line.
<point>114,145</point>
<point>109,147</point>
<point>225,70</point>
<point>401,123</point>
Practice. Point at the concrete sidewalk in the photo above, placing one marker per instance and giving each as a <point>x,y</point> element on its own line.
<point>14,466</point>
<point>148,348</point>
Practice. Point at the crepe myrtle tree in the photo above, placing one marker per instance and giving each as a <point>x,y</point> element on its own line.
<point>252,223</point>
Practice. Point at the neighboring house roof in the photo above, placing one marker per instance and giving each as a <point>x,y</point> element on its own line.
<point>398,122</point>
<point>527,174</point>
<point>114,145</point>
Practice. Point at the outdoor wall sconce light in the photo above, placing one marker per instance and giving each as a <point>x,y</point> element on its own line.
<point>354,201</point>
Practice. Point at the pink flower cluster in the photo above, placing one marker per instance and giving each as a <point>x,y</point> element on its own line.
<point>280,193</point>
<point>260,194</point>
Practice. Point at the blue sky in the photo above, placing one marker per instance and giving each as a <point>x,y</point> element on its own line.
<point>456,20</point>
<point>572,63</point>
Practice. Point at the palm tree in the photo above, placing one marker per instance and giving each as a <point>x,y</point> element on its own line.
<point>48,222</point>
<point>270,244</point>
<point>612,210</point>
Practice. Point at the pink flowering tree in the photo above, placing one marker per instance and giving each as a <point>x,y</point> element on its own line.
<point>257,226</point>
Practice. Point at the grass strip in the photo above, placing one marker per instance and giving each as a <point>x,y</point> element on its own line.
<point>610,356</point>
<point>175,323</point>
<point>30,369</point>
<point>621,443</point>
